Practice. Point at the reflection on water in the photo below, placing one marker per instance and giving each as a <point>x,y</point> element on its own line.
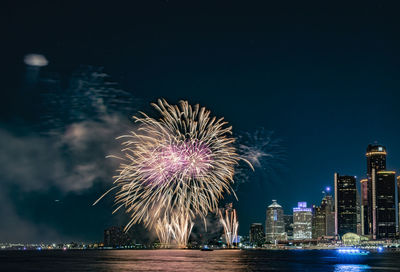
<point>190,260</point>
<point>351,267</point>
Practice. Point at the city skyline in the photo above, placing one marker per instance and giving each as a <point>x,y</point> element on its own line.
<point>321,91</point>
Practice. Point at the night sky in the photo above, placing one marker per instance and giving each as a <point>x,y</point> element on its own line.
<point>323,77</point>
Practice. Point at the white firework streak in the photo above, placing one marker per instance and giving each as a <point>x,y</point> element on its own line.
<point>230,223</point>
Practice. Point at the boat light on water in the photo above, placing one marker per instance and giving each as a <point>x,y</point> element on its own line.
<point>352,251</point>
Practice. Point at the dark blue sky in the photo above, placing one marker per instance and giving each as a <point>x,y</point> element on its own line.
<point>323,76</point>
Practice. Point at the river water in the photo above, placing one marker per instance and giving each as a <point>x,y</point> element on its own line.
<point>191,260</point>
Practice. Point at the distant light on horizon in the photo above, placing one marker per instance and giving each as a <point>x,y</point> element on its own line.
<point>35,60</point>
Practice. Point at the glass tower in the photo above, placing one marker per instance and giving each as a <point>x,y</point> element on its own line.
<point>345,205</point>
<point>376,161</point>
<point>385,199</point>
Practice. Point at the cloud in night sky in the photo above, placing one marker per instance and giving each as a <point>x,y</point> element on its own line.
<point>71,161</point>
<point>64,151</point>
<point>35,60</point>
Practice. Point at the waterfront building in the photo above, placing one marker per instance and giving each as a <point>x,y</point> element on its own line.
<point>352,239</point>
<point>324,217</point>
<point>398,205</point>
<point>274,224</point>
<point>345,204</point>
<point>364,206</point>
<point>328,205</point>
<point>302,222</point>
<point>376,161</point>
<point>256,234</point>
<point>385,210</point>
<point>358,201</point>
<point>288,221</point>
<point>318,222</point>
<point>116,237</point>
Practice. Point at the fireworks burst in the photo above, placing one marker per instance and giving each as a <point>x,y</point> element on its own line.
<point>262,150</point>
<point>175,168</point>
<point>230,223</point>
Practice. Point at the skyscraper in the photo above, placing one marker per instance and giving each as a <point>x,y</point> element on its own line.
<point>385,199</point>
<point>257,234</point>
<point>116,237</point>
<point>324,217</point>
<point>345,204</point>
<point>376,161</point>
<point>274,225</point>
<point>364,206</point>
<point>288,220</point>
<point>328,204</point>
<point>302,222</point>
<point>318,222</point>
<point>376,158</point>
<point>398,204</point>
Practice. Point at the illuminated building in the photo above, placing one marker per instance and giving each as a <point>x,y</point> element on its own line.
<point>352,239</point>
<point>376,158</point>
<point>384,185</point>
<point>318,222</point>
<point>345,204</point>
<point>116,237</point>
<point>257,234</point>
<point>359,228</point>
<point>288,221</point>
<point>364,205</point>
<point>328,204</point>
<point>398,205</point>
<point>302,222</point>
<point>324,217</point>
<point>274,224</point>
<point>376,161</point>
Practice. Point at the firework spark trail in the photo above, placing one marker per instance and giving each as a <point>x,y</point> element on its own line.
<point>262,150</point>
<point>182,226</point>
<point>176,226</point>
<point>164,232</point>
<point>175,168</point>
<point>230,223</point>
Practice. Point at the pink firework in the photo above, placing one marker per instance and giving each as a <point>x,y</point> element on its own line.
<point>189,159</point>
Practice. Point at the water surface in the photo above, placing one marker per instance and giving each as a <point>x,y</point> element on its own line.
<point>190,260</point>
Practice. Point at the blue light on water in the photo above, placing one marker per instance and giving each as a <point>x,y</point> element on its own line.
<point>351,268</point>
<point>380,249</point>
<point>352,250</point>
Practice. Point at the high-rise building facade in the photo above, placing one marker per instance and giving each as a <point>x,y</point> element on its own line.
<point>116,237</point>
<point>328,205</point>
<point>376,161</point>
<point>256,234</point>
<point>274,224</point>
<point>318,222</point>
<point>398,205</point>
<point>376,158</point>
<point>345,204</point>
<point>385,210</point>
<point>302,222</point>
<point>288,221</point>
<point>364,206</point>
